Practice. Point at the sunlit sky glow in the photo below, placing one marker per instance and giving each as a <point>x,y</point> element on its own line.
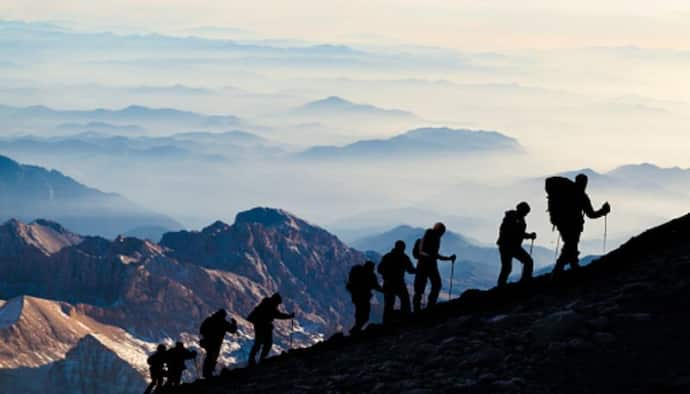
<point>463,24</point>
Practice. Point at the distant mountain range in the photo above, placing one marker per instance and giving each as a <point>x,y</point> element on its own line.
<point>114,300</point>
<point>419,142</point>
<point>337,106</point>
<point>28,192</point>
<point>38,118</point>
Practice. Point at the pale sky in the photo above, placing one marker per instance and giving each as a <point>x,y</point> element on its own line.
<point>462,24</point>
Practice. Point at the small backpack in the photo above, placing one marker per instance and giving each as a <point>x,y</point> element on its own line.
<point>416,252</point>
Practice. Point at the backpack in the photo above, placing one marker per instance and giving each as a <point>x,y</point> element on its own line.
<point>355,278</point>
<point>560,194</point>
<point>256,312</point>
<point>416,248</point>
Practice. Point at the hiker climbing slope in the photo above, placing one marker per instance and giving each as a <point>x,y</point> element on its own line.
<point>427,265</point>
<point>392,268</point>
<point>175,360</point>
<point>156,363</point>
<point>212,332</point>
<point>568,204</point>
<point>361,282</point>
<point>262,318</point>
<point>511,234</point>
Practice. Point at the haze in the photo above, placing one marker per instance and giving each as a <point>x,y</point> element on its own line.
<point>579,85</point>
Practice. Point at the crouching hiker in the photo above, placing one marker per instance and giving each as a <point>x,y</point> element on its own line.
<point>156,363</point>
<point>212,332</point>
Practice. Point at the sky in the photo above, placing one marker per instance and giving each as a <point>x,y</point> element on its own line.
<point>460,24</point>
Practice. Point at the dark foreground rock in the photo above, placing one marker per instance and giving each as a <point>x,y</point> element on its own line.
<point>618,325</point>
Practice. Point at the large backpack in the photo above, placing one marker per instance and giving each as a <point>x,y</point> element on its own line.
<point>416,252</point>
<point>255,314</point>
<point>560,194</point>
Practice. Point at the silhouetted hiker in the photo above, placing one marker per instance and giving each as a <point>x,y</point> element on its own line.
<point>392,267</point>
<point>427,266</point>
<point>361,282</point>
<point>212,332</point>
<point>262,318</point>
<point>175,360</point>
<point>568,203</point>
<point>510,237</point>
<point>156,363</point>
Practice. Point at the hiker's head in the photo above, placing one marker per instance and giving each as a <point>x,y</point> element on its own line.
<point>523,208</point>
<point>179,345</point>
<point>581,181</point>
<point>400,246</point>
<point>161,348</point>
<point>221,313</point>
<point>276,299</point>
<point>439,228</point>
<point>369,265</point>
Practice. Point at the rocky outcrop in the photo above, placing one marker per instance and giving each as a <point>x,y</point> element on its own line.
<point>617,325</point>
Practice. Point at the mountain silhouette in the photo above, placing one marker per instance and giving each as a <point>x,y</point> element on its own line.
<point>617,325</point>
<point>335,105</point>
<point>28,192</point>
<point>419,142</point>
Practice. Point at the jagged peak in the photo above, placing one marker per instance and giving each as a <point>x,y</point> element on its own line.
<point>269,217</point>
<point>216,227</point>
<point>47,236</point>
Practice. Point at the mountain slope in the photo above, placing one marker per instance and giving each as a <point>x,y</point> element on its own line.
<point>420,142</point>
<point>29,192</point>
<point>617,325</point>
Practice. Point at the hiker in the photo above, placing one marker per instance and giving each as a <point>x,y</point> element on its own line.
<point>568,203</point>
<point>427,249</point>
<point>362,280</point>
<point>175,360</point>
<point>262,318</point>
<point>156,363</point>
<point>392,268</point>
<point>212,332</point>
<point>510,237</point>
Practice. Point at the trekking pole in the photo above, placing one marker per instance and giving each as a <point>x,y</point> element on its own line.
<point>606,225</point>
<point>531,247</point>
<point>452,273</point>
<point>558,244</point>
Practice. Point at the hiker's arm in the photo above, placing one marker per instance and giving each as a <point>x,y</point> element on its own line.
<point>530,236</point>
<point>447,258</point>
<point>283,316</point>
<point>591,213</point>
<point>409,267</point>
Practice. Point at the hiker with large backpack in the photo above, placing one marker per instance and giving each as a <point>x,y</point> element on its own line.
<point>392,268</point>
<point>511,234</point>
<point>361,282</point>
<point>262,317</point>
<point>568,203</point>
<point>212,332</point>
<point>426,251</point>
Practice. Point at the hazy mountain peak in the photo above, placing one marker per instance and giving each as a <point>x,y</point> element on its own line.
<point>46,236</point>
<point>267,216</point>
<point>336,104</point>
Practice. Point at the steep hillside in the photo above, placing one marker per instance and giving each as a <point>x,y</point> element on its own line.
<point>617,325</point>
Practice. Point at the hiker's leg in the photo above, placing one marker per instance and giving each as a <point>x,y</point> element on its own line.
<point>267,344</point>
<point>436,284</point>
<point>506,266</point>
<point>255,346</point>
<point>209,367</point>
<point>527,264</point>
<point>404,299</point>
<point>388,302</point>
<point>419,288</point>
